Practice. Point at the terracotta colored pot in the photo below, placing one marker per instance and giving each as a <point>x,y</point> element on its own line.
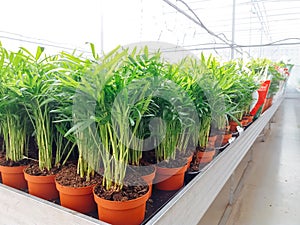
<point>189,160</point>
<point>264,107</point>
<point>244,122</point>
<point>212,140</point>
<point>149,180</point>
<point>42,186</point>
<point>233,126</point>
<point>270,102</point>
<point>201,154</point>
<point>226,137</point>
<point>13,176</point>
<point>249,118</point>
<point>205,157</point>
<point>218,142</point>
<point>119,213</point>
<point>267,104</point>
<point>169,179</point>
<point>79,199</point>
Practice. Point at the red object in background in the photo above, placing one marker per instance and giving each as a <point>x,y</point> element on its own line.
<point>262,94</point>
<point>286,71</point>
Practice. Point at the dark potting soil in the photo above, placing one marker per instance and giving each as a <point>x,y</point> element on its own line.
<point>134,187</point>
<point>67,176</point>
<point>23,162</point>
<point>33,169</point>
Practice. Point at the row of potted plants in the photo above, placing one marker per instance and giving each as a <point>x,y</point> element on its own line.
<point>102,123</point>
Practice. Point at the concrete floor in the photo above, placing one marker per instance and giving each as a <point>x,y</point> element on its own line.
<point>271,192</point>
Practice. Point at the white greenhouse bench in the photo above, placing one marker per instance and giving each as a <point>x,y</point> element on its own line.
<point>187,207</point>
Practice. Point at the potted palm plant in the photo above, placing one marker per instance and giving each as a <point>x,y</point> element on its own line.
<point>259,68</point>
<point>175,124</point>
<point>102,148</point>
<point>191,78</point>
<point>170,169</point>
<point>277,77</point>
<point>75,181</point>
<point>141,67</point>
<point>118,189</point>
<point>14,126</point>
<point>35,86</point>
<point>241,95</point>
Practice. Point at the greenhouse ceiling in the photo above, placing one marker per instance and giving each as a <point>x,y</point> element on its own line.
<point>254,27</point>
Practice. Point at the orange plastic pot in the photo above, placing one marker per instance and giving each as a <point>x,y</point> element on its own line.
<point>244,122</point>
<point>189,160</point>
<point>251,118</point>
<point>270,102</point>
<point>79,199</point>
<point>233,126</point>
<point>205,159</point>
<point>226,137</point>
<point>149,180</point>
<point>169,179</point>
<point>206,156</point>
<point>212,140</point>
<point>218,142</point>
<point>131,212</point>
<point>248,118</point>
<point>42,186</point>
<point>13,176</point>
<point>267,104</point>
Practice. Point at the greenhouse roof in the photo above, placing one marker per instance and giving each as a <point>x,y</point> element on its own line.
<point>256,27</point>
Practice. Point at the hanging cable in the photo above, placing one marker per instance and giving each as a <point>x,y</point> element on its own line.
<point>37,41</point>
<point>275,43</point>
<point>33,42</point>
<point>199,22</point>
